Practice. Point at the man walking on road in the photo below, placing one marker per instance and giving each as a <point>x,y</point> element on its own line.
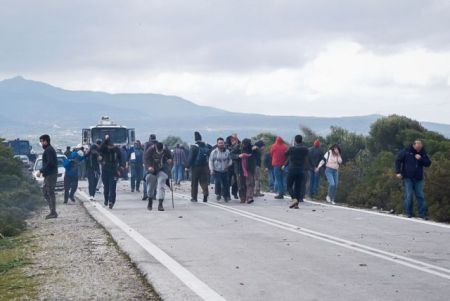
<point>157,162</point>
<point>147,146</point>
<point>71,176</point>
<point>198,162</point>
<point>296,158</point>
<point>179,162</point>
<point>135,162</point>
<point>49,171</point>
<point>219,162</point>
<point>93,168</point>
<point>112,166</point>
<point>409,167</point>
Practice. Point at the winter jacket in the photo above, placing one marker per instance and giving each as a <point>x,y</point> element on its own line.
<point>297,157</point>
<point>193,153</point>
<point>91,157</point>
<point>138,158</point>
<point>220,160</point>
<point>159,161</point>
<point>315,155</point>
<point>71,165</point>
<point>179,156</point>
<point>408,166</point>
<point>278,152</point>
<point>49,162</point>
<point>111,159</point>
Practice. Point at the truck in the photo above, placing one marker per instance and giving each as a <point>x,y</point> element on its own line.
<point>21,147</point>
<point>120,135</point>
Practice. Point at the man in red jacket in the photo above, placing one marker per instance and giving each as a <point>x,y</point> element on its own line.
<point>278,153</point>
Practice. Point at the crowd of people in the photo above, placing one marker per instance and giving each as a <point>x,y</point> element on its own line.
<point>235,167</point>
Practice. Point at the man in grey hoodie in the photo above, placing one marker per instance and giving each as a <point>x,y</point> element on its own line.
<point>219,162</point>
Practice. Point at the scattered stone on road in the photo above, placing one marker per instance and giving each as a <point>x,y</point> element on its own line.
<point>77,260</point>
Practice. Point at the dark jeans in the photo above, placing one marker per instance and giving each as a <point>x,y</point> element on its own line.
<point>70,187</point>
<point>199,175</point>
<point>93,177</point>
<point>414,187</point>
<point>109,179</point>
<point>314,178</point>
<point>279,180</point>
<point>233,181</point>
<point>49,191</point>
<point>295,182</point>
<point>136,176</point>
<point>222,186</point>
<point>271,176</point>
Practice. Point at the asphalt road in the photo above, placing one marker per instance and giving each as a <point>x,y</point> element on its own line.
<point>265,251</point>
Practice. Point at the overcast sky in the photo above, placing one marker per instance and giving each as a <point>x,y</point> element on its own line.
<point>284,57</point>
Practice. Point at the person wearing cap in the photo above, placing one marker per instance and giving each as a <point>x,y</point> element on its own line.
<point>198,162</point>
<point>148,145</point>
<point>71,176</point>
<point>314,158</point>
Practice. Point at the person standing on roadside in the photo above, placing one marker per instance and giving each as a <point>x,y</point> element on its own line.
<point>198,162</point>
<point>49,171</point>
<point>93,168</point>
<point>71,176</point>
<point>332,161</point>
<point>219,162</point>
<point>409,168</point>
<point>135,162</point>
<point>314,157</point>
<point>297,159</point>
<point>179,163</point>
<point>278,153</point>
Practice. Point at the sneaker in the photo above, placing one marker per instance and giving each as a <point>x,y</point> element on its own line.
<point>160,206</point>
<point>235,196</point>
<point>328,199</point>
<point>205,199</point>
<point>295,207</point>
<point>72,199</point>
<point>333,202</point>
<point>294,204</point>
<point>111,205</point>
<point>105,203</point>
<point>227,199</point>
<point>218,197</point>
<point>51,215</point>
<point>150,204</point>
<point>144,198</point>
<point>194,200</point>
<point>250,201</point>
<point>279,197</point>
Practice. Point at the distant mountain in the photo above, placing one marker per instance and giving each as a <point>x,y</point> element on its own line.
<point>30,108</point>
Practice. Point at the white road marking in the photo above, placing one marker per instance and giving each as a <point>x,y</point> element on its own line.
<point>367,211</point>
<point>392,257</point>
<point>189,279</point>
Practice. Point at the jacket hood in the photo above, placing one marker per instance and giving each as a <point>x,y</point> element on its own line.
<point>279,140</point>
<point>73,155</point>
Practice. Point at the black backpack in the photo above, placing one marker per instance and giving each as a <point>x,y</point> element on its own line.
<point>202,156</point>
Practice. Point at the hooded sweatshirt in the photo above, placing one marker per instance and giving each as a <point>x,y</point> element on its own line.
<point>278,152</point>
<point>219,160</point>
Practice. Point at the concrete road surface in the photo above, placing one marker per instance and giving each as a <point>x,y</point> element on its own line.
<point>265,251</point>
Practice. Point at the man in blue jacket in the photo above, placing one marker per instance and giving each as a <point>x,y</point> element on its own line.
<point>409,167</point>
<point>71,176</point>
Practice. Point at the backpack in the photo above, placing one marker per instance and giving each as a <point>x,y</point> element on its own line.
<point>202,156</point>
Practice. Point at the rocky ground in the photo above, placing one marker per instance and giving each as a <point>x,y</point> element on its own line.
<point>75,259</point>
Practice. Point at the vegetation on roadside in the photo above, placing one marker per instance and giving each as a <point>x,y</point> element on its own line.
<point>19,194</point>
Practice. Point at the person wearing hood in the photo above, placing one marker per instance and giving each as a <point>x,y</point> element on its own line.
<point>135,162</point>
<point>148,145</point>
<point>112,167</point>
<point>246,170</point>
<point>157,163</point>
<point>49,171</point>
<point>278,153</point>
<point>92,159</point>
<point>296,157</point>
<point>198,162</point>
<point>71,176</point>
<point>409,166</point>
<point>332,160</point>
<point>219,162</point>
<point>314,158</point>
<point>234,146</point>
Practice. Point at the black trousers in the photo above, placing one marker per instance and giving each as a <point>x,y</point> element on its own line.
<point>109,179</point>
<point>295,183</point>
<point>49,191</point>
<point>199,175</point>
<point>70,187</point>
<point>93,177</point>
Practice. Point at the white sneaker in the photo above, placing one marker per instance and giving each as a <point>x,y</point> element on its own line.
<point>328,199</point>
<point>333,203</point>
<point>91,198</point>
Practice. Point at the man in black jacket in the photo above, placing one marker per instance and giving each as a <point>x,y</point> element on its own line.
<point>409,167</point>
<point>49,171</point>
<point>198,162</point>
<point>112,167</point>
<point>296,156</point>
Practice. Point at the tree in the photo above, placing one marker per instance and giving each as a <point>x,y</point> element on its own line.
<point>350,143</point>
<point>172,141</point>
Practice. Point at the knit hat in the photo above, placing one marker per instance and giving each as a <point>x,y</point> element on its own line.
<point>197,136</point>
<point>260,144</point>
<point>152,137</point>
<point>317,143</point>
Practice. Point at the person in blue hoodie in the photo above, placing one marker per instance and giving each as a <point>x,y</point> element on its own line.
<point>409,167</point>
<point>71,176</point>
